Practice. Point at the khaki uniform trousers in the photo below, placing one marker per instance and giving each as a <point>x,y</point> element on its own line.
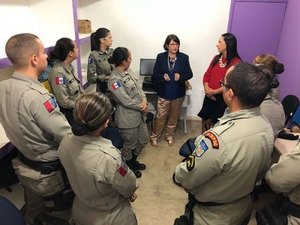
<point>36,186</point>
<point>135,139</point>
<point>122,214</point>
<point>170,110</point>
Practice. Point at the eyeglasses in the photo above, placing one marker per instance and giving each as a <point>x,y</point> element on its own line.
<point>222,84</point>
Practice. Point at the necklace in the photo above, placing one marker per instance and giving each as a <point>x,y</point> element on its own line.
<point>221,64</point>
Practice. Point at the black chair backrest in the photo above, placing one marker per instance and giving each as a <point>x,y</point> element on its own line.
<point>290,104</point>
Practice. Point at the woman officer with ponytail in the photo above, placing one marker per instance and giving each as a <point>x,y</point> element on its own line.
<point>103,184</point>
<point>98,67</point>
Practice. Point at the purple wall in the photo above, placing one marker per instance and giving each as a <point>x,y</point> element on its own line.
<point>289,50</point>
<point>257,24</point>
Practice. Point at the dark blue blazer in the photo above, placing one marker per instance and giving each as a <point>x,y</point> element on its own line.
<point>172,89</point>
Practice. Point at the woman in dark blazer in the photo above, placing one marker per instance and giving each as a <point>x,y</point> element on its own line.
<point>171,70</point>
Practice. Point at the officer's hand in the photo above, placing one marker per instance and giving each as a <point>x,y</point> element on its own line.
<point>133,197</point>
<point>166,77</point>
<point>144,107</point>
<point>177,76</point>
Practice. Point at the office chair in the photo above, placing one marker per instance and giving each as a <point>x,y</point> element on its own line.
<point>290,104</point>
<point>9,214</point>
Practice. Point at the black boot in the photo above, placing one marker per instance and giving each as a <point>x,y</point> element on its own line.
<point>131,166</point>
<point>137,164</point>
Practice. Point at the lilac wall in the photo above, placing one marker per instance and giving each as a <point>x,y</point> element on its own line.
<point>257,24</point>
<point>289,50</point>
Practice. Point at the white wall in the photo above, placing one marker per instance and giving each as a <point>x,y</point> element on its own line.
<point>48,19</point>
<point>142,26</point>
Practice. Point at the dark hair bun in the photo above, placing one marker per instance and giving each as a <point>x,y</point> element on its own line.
<point>275,83</point>
<point>79,129</point>
<point>111,60</point>
<point>278,68</point>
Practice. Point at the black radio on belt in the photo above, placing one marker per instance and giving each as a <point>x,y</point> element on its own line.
<point>43,167</point>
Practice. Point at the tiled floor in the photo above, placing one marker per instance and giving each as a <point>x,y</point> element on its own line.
<point>159,200</point>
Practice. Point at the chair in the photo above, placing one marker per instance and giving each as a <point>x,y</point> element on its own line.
<point>9,214</point>
<point>290,104</point>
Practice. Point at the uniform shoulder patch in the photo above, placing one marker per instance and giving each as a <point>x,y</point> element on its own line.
<point>190,163</point>
<point>60,80</point>
<point>201,148</point>
<point>122,170</point>
<point>214,140</point>
<point>90,60</point>
<point>117,84</point>
<point>50,104</point>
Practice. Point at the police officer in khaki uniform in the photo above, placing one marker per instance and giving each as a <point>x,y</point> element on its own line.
<point>229,158</point>
<point>64,84</point>
<point>98,67</point>
<point>284,177</point>
<point>103,184</point>
<point>131,110</point>
<point>33,123</point>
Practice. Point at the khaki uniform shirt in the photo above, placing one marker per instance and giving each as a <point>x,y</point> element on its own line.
<point>65,85</point>
<point>272,109</point>
<point>284,177</point>
<point>225,165</point>
<point>98,66</point>
<point>98,176</point>
<point>129,96</point>
<point>31,118</point>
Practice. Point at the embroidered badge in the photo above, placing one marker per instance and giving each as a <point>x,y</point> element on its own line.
<point>60,80</point>
<point>116,85</point>
<point>190,162</point>
<point>201,149</point>
<point>90,60</point>
<point>50,104</point>
<point>125,81</point>
<point>122,170</point>
<point>213,139</point>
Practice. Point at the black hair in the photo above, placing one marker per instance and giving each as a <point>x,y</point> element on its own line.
<point>249,83</point>
<point>270,73</point>
<point>61,50</point>
<point>169,38</point>
<point>91,111</point>
<point>231,49</point>
<point>96,36</point>
<point>119,55</point>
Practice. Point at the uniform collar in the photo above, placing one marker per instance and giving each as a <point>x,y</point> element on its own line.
<point>23,77</point>
<point>68,68</point>
<point>122,74</point>
<point>98,141</point>
<point>106,52</point>
<point>241,114</point>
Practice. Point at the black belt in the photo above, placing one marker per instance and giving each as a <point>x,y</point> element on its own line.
<point>43,167</point>
<point>192,198</point>
<point>194,201</point>
<point>288,206</point>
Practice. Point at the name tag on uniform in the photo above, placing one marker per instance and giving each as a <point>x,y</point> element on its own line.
<point>125,81</point>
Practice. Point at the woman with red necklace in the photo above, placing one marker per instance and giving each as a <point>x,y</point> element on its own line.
<point>214,105</point>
